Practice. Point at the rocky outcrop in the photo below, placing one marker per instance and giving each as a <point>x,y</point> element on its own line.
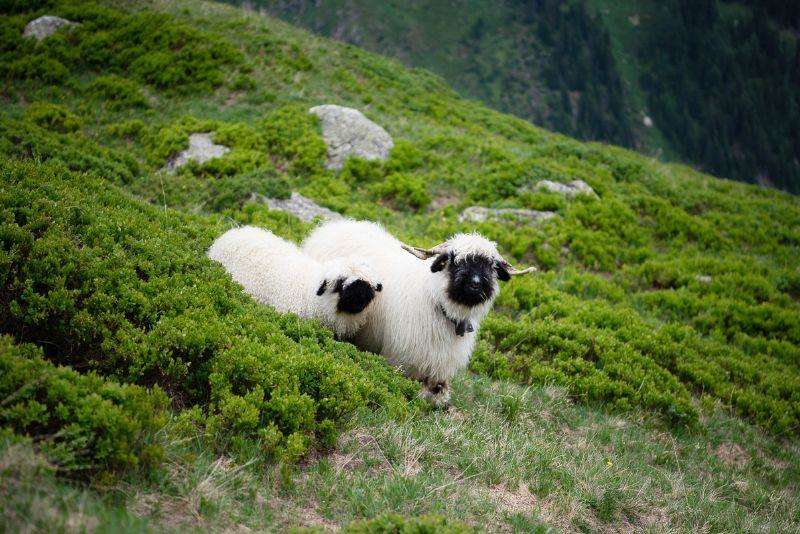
<point>301,207</point>
<point>569,190</point>
<point>45,26</point>
<point>348,133</point>
<point>481,214</point>
<point>201,149</point>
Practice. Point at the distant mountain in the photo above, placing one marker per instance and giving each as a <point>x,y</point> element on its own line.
<point>712,83</point>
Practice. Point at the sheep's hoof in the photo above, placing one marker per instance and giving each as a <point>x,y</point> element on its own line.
<point>437,393</point>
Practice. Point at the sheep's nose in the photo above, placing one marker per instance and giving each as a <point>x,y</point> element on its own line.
<point>475,280</point>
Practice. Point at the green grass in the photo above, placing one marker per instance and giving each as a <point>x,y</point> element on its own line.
<point>648,377</point>
<point>512,457</point>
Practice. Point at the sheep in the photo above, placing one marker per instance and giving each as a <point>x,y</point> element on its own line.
<point>277,273</point>
<point>427,319</point>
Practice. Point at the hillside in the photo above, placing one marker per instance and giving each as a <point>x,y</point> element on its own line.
<point>647,378</point>
<point>713,84</point>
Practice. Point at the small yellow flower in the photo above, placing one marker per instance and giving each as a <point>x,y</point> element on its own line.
<point>609,463</point>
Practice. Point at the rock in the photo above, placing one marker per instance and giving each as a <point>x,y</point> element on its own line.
<point>703,278</point>
<point>347,132</point>
<point>481,214</point>
<point>301,207</point>
<point>647,122</point>
<point>201,149</point>
<point>572,189</point>
<point>45,26</point>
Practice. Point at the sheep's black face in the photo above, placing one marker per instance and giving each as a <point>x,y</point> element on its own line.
<point>355,297</point>
<point>471,279</point>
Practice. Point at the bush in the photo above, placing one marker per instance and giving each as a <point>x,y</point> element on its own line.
<point>152,47</point>
<point>109,284</point>
<point>23,139</point>
<point>52,117</point>
<point>403,190</point>
<point>398,524</point>
<point>117,93</point>
<point>82,423</point>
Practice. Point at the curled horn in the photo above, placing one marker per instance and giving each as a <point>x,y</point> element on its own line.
<point>513,271</point>
<point>423,253</point>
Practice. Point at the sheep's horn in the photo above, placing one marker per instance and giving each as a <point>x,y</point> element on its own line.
<point>422,253</point>
<point>513,271</point>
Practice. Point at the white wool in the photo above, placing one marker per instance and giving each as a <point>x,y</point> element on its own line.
<point>474,244</point>
<point>277,273</point>
<point>407,325</point>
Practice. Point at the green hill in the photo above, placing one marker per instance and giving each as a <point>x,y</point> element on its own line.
<point>713,83</point>
<point>649,376</point>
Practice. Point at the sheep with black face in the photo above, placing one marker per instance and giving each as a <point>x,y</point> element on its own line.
<point>427,319</point>
<point>338,292</point>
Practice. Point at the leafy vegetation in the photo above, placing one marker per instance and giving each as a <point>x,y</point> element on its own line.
<point>81,422</point>
<point>102,283</point>
<point>669,297</point>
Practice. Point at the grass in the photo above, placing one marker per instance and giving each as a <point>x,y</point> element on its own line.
<point>518,458</point>
<point>648,378</point>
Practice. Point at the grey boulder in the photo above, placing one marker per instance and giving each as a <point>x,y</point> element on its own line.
<point>348,133</point>
<point>569,190</point>
<point>45,26</point>
<point>482,214</point>
<point>201,149</point>
<point>301,207</point>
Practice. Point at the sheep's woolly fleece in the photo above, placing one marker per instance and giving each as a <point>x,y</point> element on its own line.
<point>407,324</point>
<point>277,273</point>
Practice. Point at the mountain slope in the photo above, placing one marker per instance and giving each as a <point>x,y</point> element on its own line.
<point>667,305</point>
<point>719,90</point>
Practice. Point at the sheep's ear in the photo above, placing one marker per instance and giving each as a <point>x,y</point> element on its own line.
<point>439,263</point>
<point>322,287</point>
<point>502,271</point>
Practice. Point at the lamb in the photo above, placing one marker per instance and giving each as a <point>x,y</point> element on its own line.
<point>427,319</point>
<point>277,273</point>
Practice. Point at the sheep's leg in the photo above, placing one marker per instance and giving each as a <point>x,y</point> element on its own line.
<point>437,392</point>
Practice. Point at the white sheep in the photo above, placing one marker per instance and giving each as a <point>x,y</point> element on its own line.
<point>277,273</point>
<point>427,319</point>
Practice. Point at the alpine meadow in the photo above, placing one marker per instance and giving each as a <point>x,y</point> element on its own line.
<point>646,378</point>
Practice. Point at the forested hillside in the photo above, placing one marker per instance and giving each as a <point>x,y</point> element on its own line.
<point>712,83</point>
<point>648,377</point>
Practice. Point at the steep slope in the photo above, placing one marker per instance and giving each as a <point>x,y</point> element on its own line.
<point>714,84</point>
<point>668,299</point>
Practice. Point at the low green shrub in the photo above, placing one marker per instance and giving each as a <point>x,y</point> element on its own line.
<point>152,47</point>
<point>52,117</point>
<point>404,191</point>
<point>109,284</point>
<point>292,134</point>
<point>398,524</point>
<point>24,139</point>
<point>117,93</point>
<point>80,422</point>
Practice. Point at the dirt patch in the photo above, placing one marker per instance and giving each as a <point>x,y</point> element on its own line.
<point>441,201</point>
<point>304,516</point>
<point>732,454</point>
<point>79,522</point>
<point>309,517</point>
<point>366,448</point>
<point>520,500</point>
<point>231,99</point>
